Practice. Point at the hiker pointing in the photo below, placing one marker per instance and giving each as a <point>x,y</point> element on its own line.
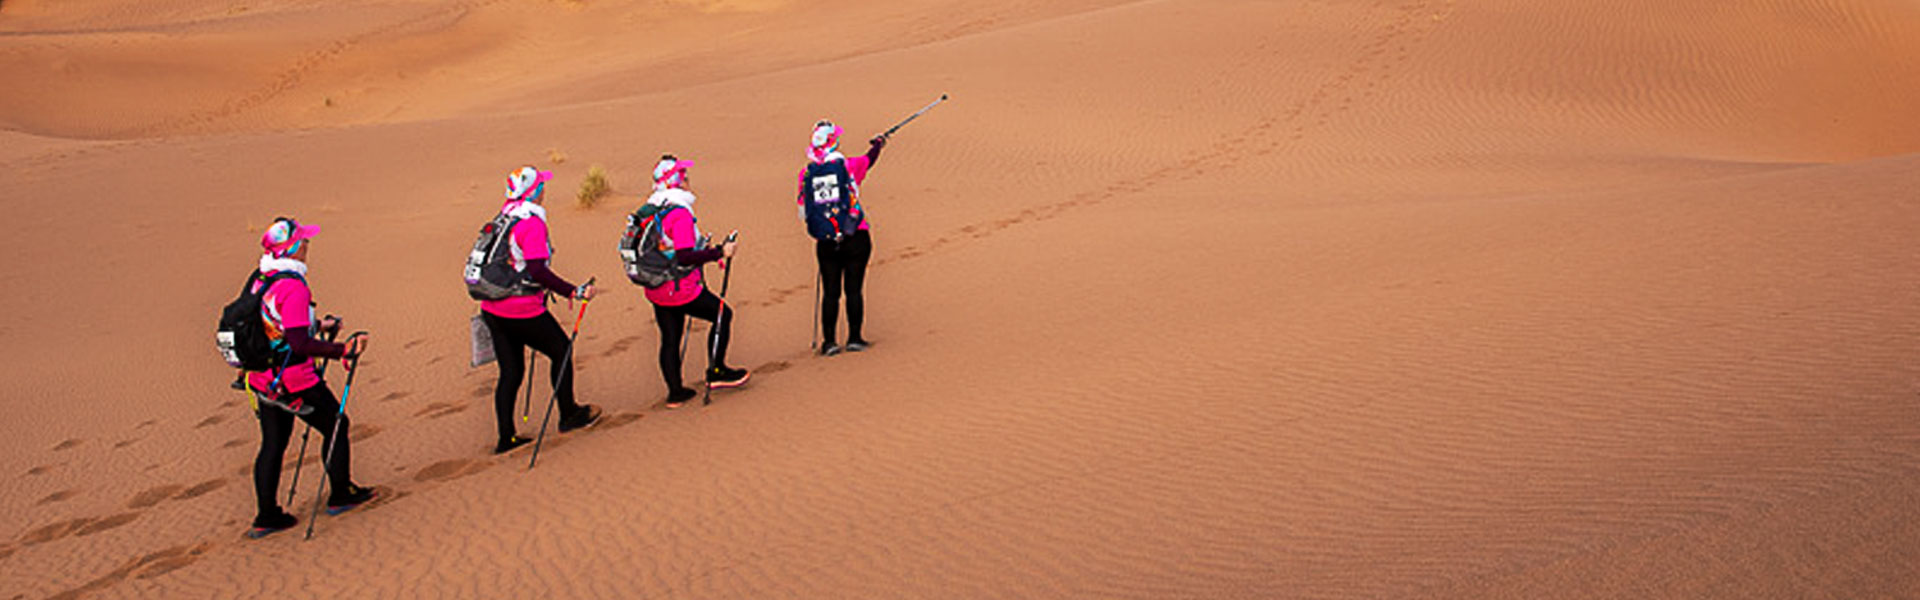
<point>291,387</point>
<point>511,281</point>
<point>830,207</point>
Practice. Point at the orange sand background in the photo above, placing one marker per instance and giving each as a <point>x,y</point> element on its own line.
<point>1175,299</point>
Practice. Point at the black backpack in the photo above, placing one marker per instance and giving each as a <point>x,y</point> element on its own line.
<point>831,213</point>
<point>242,336</point>
<point>646,251</point>
<point>489,272</point>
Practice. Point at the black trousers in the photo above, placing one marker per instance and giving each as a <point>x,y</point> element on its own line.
<point>276,429</point>
<point>673,324</point>
<point>843,264</point>
<point>511,338</point>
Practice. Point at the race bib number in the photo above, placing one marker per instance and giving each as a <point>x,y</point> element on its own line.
<point>474,261</point>
<point>826,189</point>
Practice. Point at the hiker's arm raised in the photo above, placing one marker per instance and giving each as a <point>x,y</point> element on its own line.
<point>874,146</point>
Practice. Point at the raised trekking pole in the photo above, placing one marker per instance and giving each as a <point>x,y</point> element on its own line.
<point>300,460</point>
<point>713,344</point>
<point>916,114</point>
<point>333,439</point>
<point>565,363</point>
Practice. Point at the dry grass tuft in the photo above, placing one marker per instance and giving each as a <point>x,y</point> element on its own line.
<point>594,187</point>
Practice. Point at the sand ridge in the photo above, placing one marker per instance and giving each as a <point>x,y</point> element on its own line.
<point>1176,299</point>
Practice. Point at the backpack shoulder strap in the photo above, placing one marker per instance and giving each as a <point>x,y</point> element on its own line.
<point>267,283</point>
<point>660,215</point>
<point>247,287</point>
<point>507,221</point>
<point>845,174</point>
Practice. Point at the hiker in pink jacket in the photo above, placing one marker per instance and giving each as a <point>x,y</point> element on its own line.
<point>294,387</point>
<point>688,297</point>
<point>829,201</point>
<point>521,321</point>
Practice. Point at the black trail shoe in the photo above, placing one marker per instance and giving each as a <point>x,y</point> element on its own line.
<point>507,445</point>
<point>586,415</point>
<point>266,525</point>
<point>726,377</point>
<point>829,349</point>
<point>349,499</point>
<point>679,397</point>
<point>857,345</point>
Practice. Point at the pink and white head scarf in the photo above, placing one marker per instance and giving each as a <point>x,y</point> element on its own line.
<point>526,182</point>
<point>826,142</point>
<point>670,173</point>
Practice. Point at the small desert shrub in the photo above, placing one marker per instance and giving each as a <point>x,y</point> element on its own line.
<point>594,187</point>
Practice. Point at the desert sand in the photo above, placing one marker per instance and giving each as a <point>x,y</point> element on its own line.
<point>1174,299</point>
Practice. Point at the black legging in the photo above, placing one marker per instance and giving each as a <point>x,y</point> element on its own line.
<point>843,261</point>
<point>673,324</point>
<point>276,429</point>
<point>511,338</point>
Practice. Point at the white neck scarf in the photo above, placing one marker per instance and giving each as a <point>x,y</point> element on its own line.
<point>522,209</point>
<point>667,196</point>
<point>676,196</point>
<point>269,264</point>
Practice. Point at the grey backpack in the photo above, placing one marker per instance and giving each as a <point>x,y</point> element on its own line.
<point>645,251</point>
<point>489,273</point>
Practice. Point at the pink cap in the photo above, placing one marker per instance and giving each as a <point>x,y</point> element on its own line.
<point>281,237</point>
<point>522,182</point>
<point>670,172</point>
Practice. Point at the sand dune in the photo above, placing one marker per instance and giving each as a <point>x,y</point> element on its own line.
<point>1193,299</point>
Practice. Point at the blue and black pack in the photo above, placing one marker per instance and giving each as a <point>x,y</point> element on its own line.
<point>828,198</point>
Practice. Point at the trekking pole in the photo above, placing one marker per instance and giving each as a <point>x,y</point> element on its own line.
<point>915,115</point>
<point>814,342</point>
<point>713,343</point>
<point>333,439</point>
<point>327,335</point>
<point>300,460</point>
<point>526,408</point>
<point>565,363</point>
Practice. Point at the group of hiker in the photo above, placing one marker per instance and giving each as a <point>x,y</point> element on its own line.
<point>270,332</point>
